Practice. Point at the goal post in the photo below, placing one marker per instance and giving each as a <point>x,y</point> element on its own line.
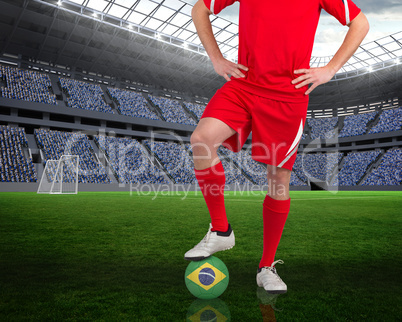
<point>60,176</point>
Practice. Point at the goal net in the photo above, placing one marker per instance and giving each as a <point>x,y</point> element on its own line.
<point>60,176</point>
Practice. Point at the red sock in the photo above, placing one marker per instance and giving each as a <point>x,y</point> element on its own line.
<point>212,184</point>
<point>274,213</point>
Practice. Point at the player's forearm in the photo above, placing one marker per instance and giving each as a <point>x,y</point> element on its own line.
<point>358,29</point>
<point>200,15</point>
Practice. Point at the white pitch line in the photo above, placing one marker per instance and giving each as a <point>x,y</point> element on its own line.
<point>228,199</point>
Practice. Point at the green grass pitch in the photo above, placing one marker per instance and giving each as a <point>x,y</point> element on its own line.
<point>116,257</point>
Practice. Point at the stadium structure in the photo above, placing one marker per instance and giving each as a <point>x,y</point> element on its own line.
<point>123,87</point>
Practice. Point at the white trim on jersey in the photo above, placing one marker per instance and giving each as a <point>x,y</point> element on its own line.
<point>212,6</point>
<point>347,15</point>
<point>294,146</point>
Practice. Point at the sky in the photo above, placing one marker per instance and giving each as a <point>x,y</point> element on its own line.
<point>384,16</point>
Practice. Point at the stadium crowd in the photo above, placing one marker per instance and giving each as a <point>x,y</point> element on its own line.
<point>175,159</point>
<point>242,159</point>
<point>355,166</point>
<point>134,165</point>
<point>295,180</point>
<point>84,95</point>
<point>389,171</point>
<point>233,173</point>
<point>129,161</point>
<point>172,110</point>
<point>356,124</point>
<point>323,128</point>
<point>197,109</point>
<point>131,103</point>
<point>390,120</point>
<point>14,166</point>
<point>131,164</point>
<point>54,144</point>
<point>319,166</point>
<point>26,85</point>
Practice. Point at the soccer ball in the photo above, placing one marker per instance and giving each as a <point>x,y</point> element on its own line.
<point>208,278</point>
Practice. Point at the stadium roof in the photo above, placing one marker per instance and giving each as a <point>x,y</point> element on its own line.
<point>155,42</point>
<point>167,20</point>
<point>170,21</point>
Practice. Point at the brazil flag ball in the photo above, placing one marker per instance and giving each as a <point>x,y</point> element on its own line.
<point>207,279</point>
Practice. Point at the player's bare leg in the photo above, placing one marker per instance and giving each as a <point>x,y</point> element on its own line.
<point>275,211</point>
<point>205,141</point>
<point>278,182</point>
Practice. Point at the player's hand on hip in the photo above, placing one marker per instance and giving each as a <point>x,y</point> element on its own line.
<point>315,76</point>
<point>225,68</point>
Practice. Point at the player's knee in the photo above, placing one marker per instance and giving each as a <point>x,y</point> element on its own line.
<point>200,139</point>
<point>195,138</point>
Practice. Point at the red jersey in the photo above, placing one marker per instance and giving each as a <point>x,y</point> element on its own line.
<point>276,38</point>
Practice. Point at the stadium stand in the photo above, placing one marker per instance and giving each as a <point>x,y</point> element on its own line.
<point>197,109</point>
<point>55,143</point>
<point>84,95</point>
<point>233,174</point>
<point>389,171</point>
<point>14,166</point>
<point>26,85</point>
<point>316,166</point>
<point>295,181</point>
<point>254,170</point>
<point>129,160</point>
<point>172,110</point>
<point>131,103</point>
<point>390,120</point>
<point>355,166</point>
<point>356,124</point>
<point>175,159</point>
<point>298,169</point>
<point>323,128</point>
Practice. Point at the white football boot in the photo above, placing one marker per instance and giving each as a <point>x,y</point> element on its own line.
<point>214,241</point>
<point>268,278</point>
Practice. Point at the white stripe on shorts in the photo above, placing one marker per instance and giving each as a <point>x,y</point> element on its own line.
<point>294,146</point>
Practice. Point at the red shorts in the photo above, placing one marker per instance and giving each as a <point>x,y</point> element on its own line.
<point>276,126</point>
